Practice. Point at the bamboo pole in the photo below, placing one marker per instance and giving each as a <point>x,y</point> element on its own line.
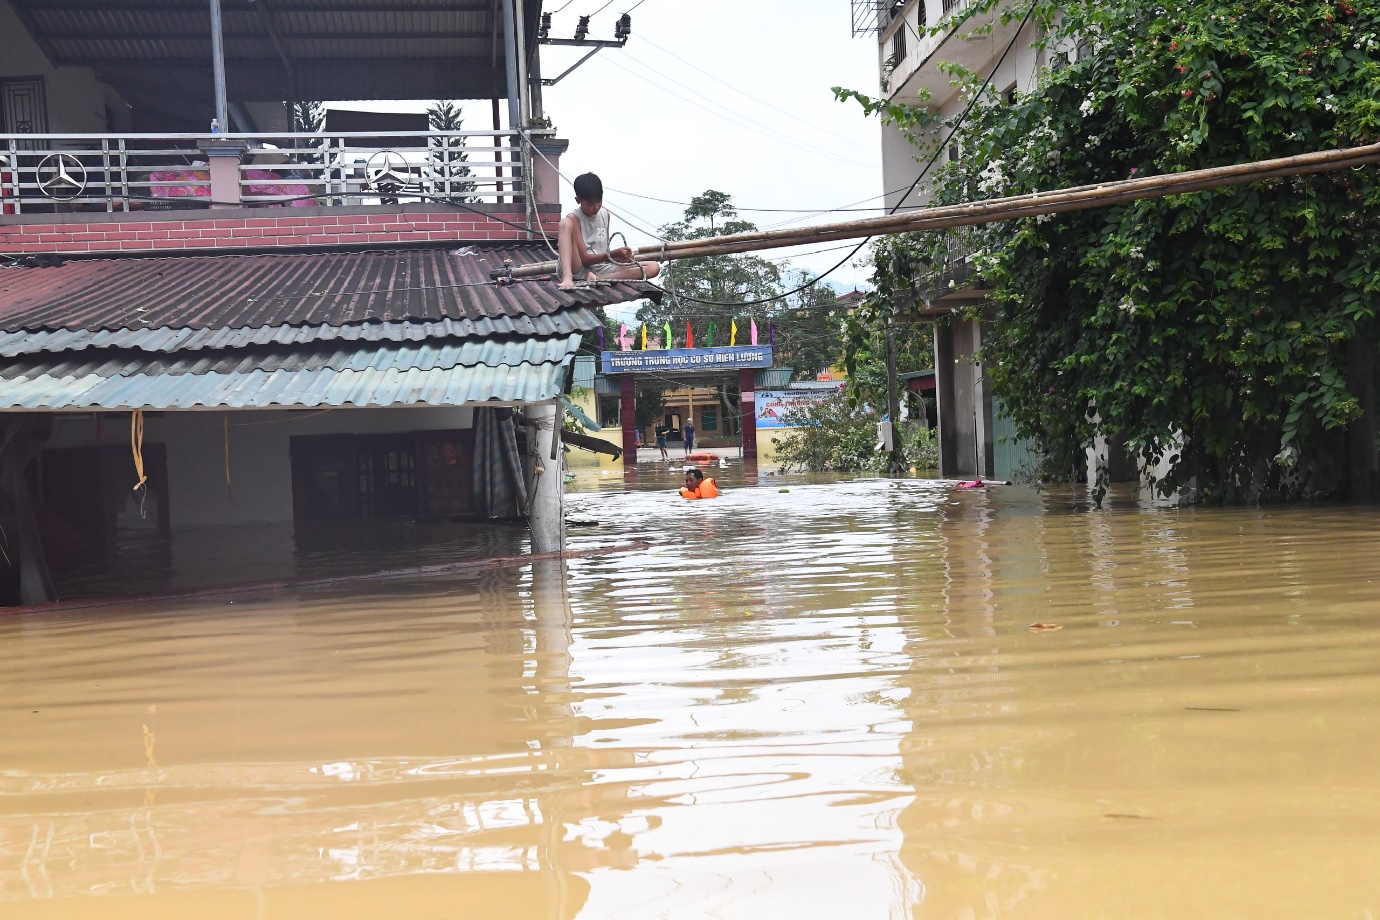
<point>1078,198</point>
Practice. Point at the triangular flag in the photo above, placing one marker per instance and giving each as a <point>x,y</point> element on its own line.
<point>623,336</point>
<point>689,335</point>
<point>753,323</point>
<point>644,336</point>
<point>667,327</point>
<point>709,338</point>
<point>733,334</point>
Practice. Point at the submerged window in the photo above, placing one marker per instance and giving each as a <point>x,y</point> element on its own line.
<point>409,473</point>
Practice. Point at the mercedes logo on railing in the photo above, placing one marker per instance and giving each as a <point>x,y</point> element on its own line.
<point>387,171</point>
<point>61,176</point>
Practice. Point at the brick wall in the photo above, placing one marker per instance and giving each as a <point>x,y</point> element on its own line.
<point>258,228</point>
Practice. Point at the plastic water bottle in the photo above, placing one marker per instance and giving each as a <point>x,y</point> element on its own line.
<point>215,125</point>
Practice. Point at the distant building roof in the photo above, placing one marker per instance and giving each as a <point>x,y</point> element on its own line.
<point>852,298</point>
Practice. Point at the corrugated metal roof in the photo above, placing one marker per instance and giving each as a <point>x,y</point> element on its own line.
<point>166,340</point>
<point>288,289</point>
<point>531,371</point>
<point>425,356</point>
<point>584,372</point>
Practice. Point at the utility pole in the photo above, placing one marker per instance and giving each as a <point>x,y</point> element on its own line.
<point>896,464</point>
<point>218,67</point>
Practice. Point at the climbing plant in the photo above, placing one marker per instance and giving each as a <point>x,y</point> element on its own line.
<point>1225,336</point>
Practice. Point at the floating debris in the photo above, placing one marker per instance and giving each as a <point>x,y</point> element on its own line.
<point>1044,627</point>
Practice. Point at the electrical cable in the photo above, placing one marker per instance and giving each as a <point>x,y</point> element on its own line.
<point>748,95</point>
<point>686,204</point>
<point>939,151</point>
<point>779,137</point>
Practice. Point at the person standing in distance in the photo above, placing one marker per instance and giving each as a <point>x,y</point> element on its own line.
<point>689,432</point>
<point>584,241</point>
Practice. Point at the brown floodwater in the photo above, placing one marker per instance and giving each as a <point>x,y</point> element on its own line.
<point>821,702</point>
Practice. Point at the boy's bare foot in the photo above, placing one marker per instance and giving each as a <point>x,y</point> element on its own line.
<point>567,284</point>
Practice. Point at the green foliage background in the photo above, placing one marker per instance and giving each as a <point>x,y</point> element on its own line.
<point>839,435</point>
<point>1229,333</point>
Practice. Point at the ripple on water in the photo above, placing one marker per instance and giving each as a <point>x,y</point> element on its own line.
<point>825,702</point>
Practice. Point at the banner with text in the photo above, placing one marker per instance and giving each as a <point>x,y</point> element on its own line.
<point>687,359</point>
<point>772,405</point>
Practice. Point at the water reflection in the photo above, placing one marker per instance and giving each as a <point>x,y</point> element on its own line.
<point>318,742</point>
<point>824,701</point>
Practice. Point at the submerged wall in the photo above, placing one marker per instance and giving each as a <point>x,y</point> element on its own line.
<point>260,489</point>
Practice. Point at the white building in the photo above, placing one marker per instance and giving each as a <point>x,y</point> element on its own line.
<point>975,439</point>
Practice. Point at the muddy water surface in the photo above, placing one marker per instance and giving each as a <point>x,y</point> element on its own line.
<point>825,702</point>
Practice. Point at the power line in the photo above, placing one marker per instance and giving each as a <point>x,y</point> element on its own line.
<point>736,207</point>
<point>750,96</point>
<point>762,131</point>
<point>939,150</point>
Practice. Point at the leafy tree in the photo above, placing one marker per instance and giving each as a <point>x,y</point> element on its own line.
<point>725,279</point>
<point>808,327</point>
<point>1230,333</point>
<point>839,435</point>
<point>308,117</point>
<point>449,161</point>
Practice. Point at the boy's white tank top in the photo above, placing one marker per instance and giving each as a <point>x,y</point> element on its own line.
<point>595,230</point>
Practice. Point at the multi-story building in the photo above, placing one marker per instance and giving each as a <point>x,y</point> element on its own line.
<point>914,38</point>
<point>256,324</point>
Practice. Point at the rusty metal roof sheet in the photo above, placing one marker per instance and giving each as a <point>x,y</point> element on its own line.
<point>449,375</point>
<point>287,289</point>
<point>578,319</point>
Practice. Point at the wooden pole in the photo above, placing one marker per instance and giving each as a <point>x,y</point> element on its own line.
<point>1079,198</point>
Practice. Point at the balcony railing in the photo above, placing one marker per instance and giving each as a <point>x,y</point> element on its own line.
<point>871,16</point>
<point>48,173</point>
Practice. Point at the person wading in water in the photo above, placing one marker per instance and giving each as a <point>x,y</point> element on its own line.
<point>696,486</point>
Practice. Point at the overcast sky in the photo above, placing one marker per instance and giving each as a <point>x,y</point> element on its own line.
<point>713,94</point>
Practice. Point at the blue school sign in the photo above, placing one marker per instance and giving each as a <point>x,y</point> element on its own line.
<point>687,359</point>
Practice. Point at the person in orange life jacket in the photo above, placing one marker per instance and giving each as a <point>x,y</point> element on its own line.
<point>696,486</point>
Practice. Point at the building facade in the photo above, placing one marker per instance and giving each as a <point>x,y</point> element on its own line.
<point>915,39</point>
<point>209,319</point>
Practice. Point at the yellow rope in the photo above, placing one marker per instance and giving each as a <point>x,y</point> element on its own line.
<point>136,444</point>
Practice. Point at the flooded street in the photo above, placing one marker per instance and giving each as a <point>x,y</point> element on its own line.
<point>821,702</point>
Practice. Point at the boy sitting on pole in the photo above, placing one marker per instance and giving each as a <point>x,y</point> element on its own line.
<point>584,241</point>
